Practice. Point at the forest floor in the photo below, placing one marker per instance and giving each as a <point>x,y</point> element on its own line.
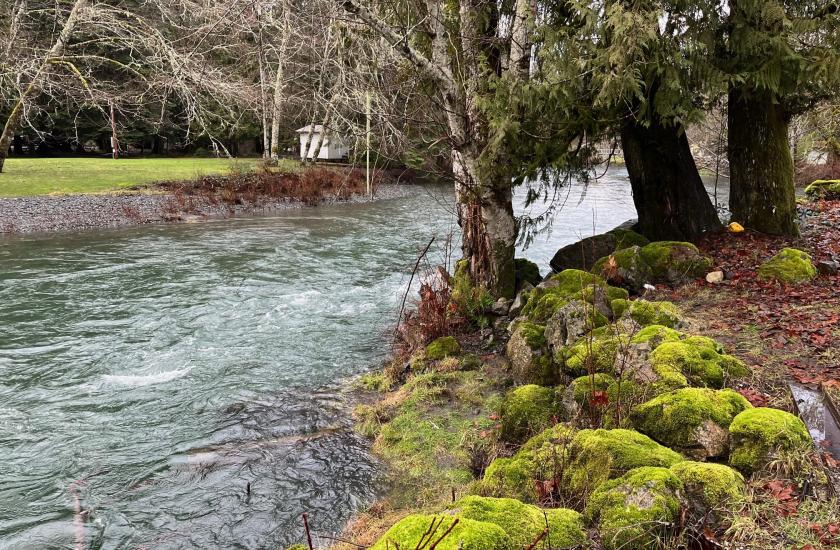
<point>44,176</point>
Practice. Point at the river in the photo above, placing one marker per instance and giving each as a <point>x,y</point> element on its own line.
<point>177,386</point>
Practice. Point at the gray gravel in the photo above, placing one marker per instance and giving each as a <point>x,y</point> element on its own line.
<point>77,212</point>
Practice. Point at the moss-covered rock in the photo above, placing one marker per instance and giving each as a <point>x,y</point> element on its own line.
<point>572,281</point>
<point>624,268</point>
<point>445,346</point>
<point>824,189</point>
<point>583,387</point>
<point>530,361</point>
<point>595,352</point>
<point>655,335</point>
<point>527,410</point>
<point>675,262</point>
<point>696,361</point>
<point>788,266</point>
<point>564,287</point>
<point>467,534</point>
<point>524,522</point>
<point>638,510</point>
<point>572,321</point>
<point>693,421</point>
<point>626,238</point>
<point>526,272</point>
<point>709,487</point>
<point>759,434</point>
<point>599,455</point>
<point>654,313</point>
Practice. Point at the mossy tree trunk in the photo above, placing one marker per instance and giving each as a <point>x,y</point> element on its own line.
<point>670,199</point>
<point>762,194</point>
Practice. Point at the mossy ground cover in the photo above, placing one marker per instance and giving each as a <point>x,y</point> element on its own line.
<point>44,176</point>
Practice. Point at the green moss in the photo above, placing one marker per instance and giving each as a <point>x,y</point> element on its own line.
<point>655,313</point>
<point>625,267</point>
<point>470,299</point>
<point>655,335</point>
<point>510,477</point>
<point>637,510</point>
<point>571,281</point>
<point>445,346</point>
<point>527,271</point>
<point>709,486</point>
<point>524,522</point>
<point>674,260</point>
<point>701,365</point>
<point>674,417</point>
<point>788,266</point>
<point>758,434</point>
<point>297,547</point>
<point>627,238</point>
<point>598,455</point>
<point>824,189</point>
<point>619,307</point>
<point>527,410</point>
<point>534,334</point>
<point>595,352</point>
<point>471,361</point>
<point>467,534</point>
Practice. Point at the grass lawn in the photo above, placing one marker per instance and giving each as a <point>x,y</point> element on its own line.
<point>42,176</point>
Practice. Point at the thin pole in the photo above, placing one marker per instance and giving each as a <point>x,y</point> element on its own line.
<point>367,146</point>
<point>115,145</point>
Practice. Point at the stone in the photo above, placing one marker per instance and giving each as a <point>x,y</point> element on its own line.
<point>584,253</point>
<point>693,421</point>
<point>520,300</point>
<point>715,277</point>
<point>675,262</point>
<point>788,266</point>
<point>759,434</point>
<point>824,189</point>
<point>638,510</point>
<point>501,307</point>
<point>527,352</point>
<point>526,272</point>
<point>526,411</point>
<point>445,346</point>
<point>709,488</point>
<point>624,268</point>
<point>570,322</point>
<point>828,267</point>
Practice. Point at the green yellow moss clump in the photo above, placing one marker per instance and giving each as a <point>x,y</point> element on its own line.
<point>445,346</point>
<point>788,266</point>
<point>709,486</point>
<point>759,434</point>
<point>698,361</point>
<point>467,534</point>
<point>599,455</point>
<point>824,189</point>
<point>637,510</point>
<point>527,410</point>
<point>583,387</point>
<point>691,420</point>
<point>655,335</point>
<point>675,261</point>
<point>524,522</point>
<point>595,352</point>
<point>564,287</point>
<point>654,313</point>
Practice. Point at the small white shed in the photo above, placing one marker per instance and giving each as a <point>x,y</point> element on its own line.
<point>333,146</point>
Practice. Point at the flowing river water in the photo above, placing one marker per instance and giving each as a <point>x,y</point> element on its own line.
<point>178,386</point>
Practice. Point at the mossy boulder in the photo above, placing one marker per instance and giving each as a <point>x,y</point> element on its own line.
<point>693,421</point>
<point>524,522</point>
<point>824,189</point>
<point>788,266</point>
<point>445,346</point>
<point>526,272</point>
<point>675,262</point>
<point>624,268</point>
<point>581,389</point>
<point>655,335</point>
<point>529,357</point>
<point>709,487</point>
<point>599,455</point>
<point>637,510</point>
<point>584,253</point>
<point>569,285</point>
<point>759,434</point>
<point>512,477</point>
<point>467,534</point>
<point>647,313</point>
<point>572,321</point>
<point>594,352</point>
<point>527,410</point>
<point>695,360</point>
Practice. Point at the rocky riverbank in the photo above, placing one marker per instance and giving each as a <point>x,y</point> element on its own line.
<point>635,405</point>
<point>44,214</point>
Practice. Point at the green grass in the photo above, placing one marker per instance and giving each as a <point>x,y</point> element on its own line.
<point>43,176</point>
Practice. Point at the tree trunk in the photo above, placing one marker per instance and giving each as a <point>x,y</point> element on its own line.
<point>488,226</point>
<point>275,110</point>
<point>670,199</point>
<point>762,194</point>
<point>17,145</point>
<point>13,122</point>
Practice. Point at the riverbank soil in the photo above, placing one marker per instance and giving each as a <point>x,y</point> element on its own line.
<point>665,421</point>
